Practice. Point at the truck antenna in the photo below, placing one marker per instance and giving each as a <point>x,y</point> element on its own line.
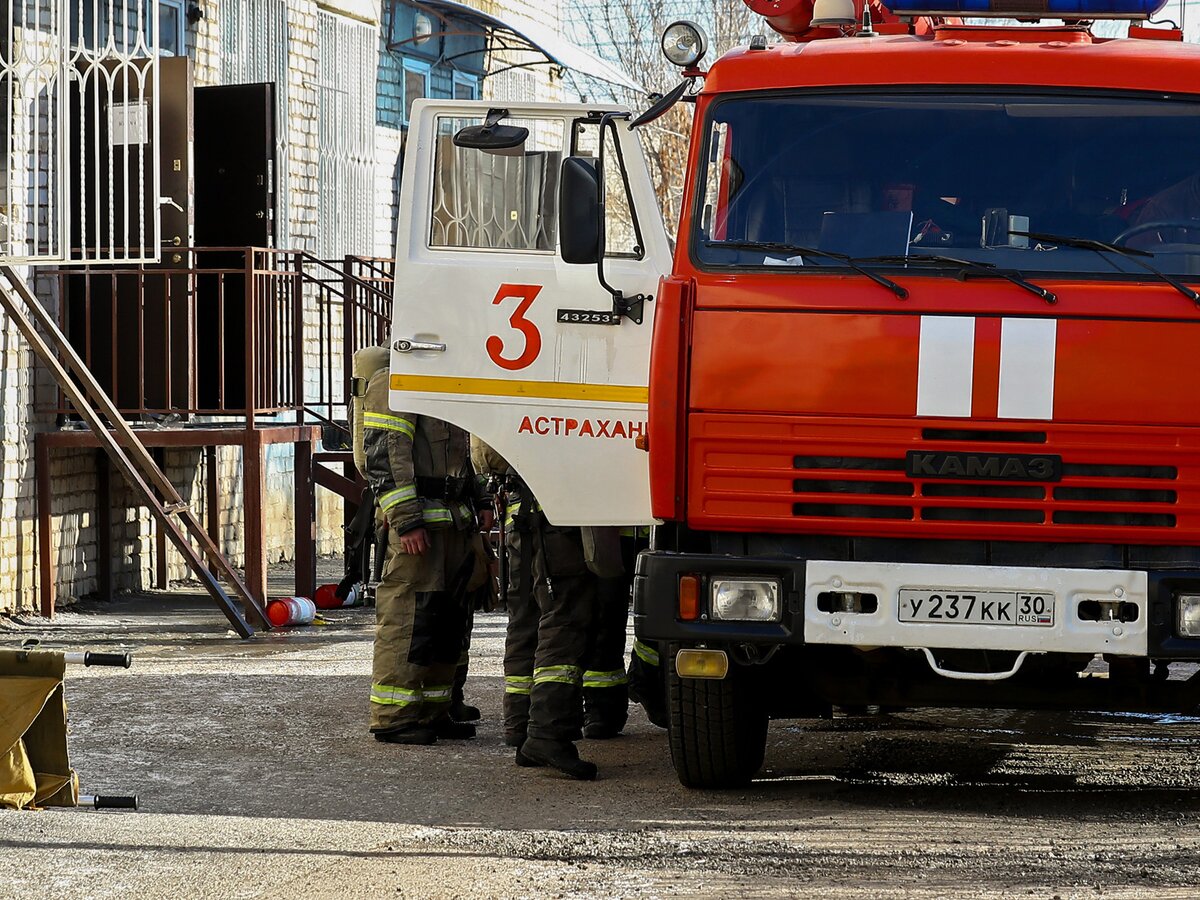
<point>867,30</point>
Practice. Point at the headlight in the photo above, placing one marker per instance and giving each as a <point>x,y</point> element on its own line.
<point>747,600</point>
<point>1188,606</point>
<point>684,44</point>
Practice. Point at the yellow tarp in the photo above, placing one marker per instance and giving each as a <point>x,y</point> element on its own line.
<point>34,767</point>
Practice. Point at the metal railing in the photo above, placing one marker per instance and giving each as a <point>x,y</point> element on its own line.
<point>240,332</point>
<point>353,308</point>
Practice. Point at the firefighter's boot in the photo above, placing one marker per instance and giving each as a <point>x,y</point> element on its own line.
<point>421,735</point>
<point>560,755</point>
<point>460,711</point>
<point>605,705</point>
<point>446,727</point>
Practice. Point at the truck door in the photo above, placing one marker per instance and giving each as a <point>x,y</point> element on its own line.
<point>494,332</point>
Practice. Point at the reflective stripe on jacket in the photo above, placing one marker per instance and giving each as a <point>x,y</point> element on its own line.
<point>399,447</point>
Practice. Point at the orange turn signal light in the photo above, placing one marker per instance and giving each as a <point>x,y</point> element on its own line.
<point>689,598</point>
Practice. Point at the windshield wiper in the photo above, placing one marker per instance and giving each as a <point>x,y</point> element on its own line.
<point>796,250</point>
<point>1131,253</point>
<point>985,269</point>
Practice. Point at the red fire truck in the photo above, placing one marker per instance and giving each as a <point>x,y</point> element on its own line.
<point>922,416</point>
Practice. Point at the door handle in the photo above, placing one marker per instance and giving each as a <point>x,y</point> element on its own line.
<point>405,345</point>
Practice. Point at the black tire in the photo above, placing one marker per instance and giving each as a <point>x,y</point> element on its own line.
<point>717,729</point>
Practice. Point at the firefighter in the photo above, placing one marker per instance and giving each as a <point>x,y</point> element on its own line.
<point>645,680</point>
<point>420,472</point>
<point>1179,202</point>
<point>460,710</point>
<point>605,684</point>
<point>647,683</point>
<point>552,600</point>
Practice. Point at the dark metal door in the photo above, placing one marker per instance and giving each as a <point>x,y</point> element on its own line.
<point>175,157</point>
<point>234,156</point>
<point>169,322</point>
<point>235,165</point>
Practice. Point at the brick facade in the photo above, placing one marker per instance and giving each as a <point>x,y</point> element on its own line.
<point>219,56</point>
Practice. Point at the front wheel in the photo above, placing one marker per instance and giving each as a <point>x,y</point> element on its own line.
<point>717,728</point>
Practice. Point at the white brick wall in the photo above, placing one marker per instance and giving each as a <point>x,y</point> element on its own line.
<point>73,472</point>
<point>73,536</point>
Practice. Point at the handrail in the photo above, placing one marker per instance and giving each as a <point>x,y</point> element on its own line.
<point>369,262</point>
<point>193,335</point>
<point>365,285</point>
<point>322,418</point>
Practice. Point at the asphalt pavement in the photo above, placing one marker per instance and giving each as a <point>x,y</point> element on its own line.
<point>257,779</point>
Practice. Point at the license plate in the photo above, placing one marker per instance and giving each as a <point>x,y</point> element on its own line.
<point>953,606</point>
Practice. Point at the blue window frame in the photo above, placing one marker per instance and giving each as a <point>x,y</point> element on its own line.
<point>171,21</point>
<point>416,83</point>
<point>466,87</point>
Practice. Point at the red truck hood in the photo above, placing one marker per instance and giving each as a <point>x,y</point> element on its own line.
<point>803,417</point>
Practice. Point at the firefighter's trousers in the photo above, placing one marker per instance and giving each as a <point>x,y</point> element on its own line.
<point>605,685</point>
<point>647,681</point>
<point>464,659</point>
<point>421,620</point>
<point>551,627</point>
<point>520,640</point>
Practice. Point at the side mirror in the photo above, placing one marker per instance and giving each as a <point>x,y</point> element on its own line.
<point>492,137</point>
<point>660,106</point>
<point>579,211</point>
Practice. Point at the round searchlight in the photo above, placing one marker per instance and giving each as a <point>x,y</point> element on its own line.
<point>684,44</point>
<point>833,12</point>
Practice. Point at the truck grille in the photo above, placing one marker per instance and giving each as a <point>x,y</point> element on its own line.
<point>975,501</point>
<point>851,479</point>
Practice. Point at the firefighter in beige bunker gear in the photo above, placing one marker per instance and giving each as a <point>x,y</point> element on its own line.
<point>553,608</point>
<point>647,681</point>
<point>419,469</point>
<point>607,688</point>
<point>605,685</point>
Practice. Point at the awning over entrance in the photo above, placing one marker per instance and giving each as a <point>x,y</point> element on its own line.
<point>513,39</point>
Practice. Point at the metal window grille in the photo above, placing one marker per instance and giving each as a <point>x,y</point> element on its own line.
<point>254,50</point>
<point>513,85</point>
<point>494,202</point>
<point>347,63</point>
<point>80,180</point>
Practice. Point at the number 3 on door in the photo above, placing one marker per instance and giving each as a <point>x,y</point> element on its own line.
<point>524,294</point>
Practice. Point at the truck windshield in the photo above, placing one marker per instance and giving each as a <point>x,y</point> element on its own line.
<point>878,176</point>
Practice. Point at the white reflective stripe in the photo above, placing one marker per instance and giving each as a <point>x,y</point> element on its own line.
<point>399,495</point>
<point>1027,352</point>
<point>946,366</point>
<point>646,653</point>
<point>388,423</point>
<point>518,684</point>
<point>394,695</point>
<point>558,674</point>
<point>605,679</point>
